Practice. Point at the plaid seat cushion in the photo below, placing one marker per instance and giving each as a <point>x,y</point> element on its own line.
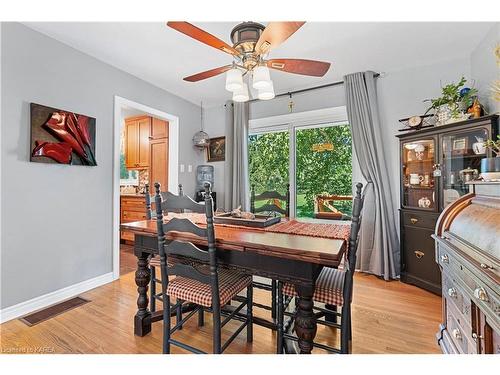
<point>230,284</point>
<point>329,287</point>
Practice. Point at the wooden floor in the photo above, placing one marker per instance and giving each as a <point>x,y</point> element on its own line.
<point>388,317</point>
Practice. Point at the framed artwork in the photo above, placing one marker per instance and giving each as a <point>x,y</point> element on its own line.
<point>460,146</point>
<point>61,137</point>
<point>216,150</point>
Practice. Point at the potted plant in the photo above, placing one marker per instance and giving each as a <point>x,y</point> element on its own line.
<point>490,167</point>
<point>453,103</point>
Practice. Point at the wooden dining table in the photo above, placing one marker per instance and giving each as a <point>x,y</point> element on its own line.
<point>293,258</point>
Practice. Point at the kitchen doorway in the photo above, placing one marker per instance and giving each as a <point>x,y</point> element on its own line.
<point>165,143</point>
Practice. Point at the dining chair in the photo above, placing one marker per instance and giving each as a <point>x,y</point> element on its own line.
<point>274,197</point>
<point>150,215</point>
<point>154,261</point>
<point>333,288</point>
<point>201,282</point>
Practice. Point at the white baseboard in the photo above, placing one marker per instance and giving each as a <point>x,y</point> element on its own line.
<point>37,303</point>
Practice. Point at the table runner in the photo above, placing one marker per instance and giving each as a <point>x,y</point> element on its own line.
<point>338,230</point>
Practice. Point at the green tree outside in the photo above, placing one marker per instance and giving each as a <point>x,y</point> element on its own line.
<point>317,172</point>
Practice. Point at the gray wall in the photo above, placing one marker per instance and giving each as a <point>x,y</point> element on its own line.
<point>400,95</point>
<point>57,220</point>
<point>215,121</point>
<point>485,68</point>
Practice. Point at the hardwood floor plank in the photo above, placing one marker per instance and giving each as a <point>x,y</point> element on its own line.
<point>388,317</point>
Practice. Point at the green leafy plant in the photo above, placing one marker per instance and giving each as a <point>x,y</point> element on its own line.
<point>451,96</point>
<point>494,146</point>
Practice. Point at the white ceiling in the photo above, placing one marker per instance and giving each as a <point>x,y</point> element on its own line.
<point>163,56</point>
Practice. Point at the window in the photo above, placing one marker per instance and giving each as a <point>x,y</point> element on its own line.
<point>127,177</point>
<point>310,153</point>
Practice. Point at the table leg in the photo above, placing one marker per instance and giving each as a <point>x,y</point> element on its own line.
<point>142,319</point>
<point>305,322</point>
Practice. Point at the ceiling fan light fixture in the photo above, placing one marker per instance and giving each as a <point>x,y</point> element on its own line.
<point>267,93</point>
<point>261,77</point>
<point>241,95</point>
<point>234,80</point>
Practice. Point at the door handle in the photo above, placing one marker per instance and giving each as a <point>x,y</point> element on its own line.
<point>413,220</point>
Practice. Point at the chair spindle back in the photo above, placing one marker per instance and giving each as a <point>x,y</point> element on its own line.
<point>267,195</point>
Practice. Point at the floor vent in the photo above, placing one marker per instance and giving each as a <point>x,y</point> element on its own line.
<point>52,311</point>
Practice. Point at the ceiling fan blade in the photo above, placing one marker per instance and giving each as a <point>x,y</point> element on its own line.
<point>207,74</point>
<point>202,36</point>
<point>274,34</point>
<point>300,66</point>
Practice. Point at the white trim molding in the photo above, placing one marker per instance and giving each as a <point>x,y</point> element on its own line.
<point>281,122</point>
<point>173,163</point>
<point>41,302</point>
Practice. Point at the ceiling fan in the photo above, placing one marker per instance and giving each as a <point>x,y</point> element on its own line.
<point>252,43</point>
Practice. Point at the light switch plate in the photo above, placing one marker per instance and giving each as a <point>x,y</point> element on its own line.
<point>190,168</point>
<point>182,168</point>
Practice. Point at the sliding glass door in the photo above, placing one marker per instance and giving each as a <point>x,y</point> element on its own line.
<point>314,158</point>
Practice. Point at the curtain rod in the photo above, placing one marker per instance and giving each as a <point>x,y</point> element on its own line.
<point>289,93</point>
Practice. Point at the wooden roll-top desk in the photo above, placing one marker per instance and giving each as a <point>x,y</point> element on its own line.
<point>467,241</point>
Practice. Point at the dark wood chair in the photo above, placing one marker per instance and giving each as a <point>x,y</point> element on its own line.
<point>150,215</point>
<point>333,288</point>
<point>275,203</point>
<point>200,282</point>
<point>154,262</point>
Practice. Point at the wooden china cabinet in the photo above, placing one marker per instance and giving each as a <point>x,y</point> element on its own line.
<point>436,163</point>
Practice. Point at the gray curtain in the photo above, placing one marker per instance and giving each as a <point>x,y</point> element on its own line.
<point>378,251</point>
<point>236,189</point>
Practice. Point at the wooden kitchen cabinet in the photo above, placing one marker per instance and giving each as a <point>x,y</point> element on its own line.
<point>137,134</point>
<point>132,208</point>
<point>158,171</point>
<point>159,129</point>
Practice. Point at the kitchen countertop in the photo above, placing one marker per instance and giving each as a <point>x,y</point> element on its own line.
<point>139,195</point>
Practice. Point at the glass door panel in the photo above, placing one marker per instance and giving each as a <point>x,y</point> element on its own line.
<point>323,171</point>
<point>461,158</point>
<point>419,186</point>
<point>268,163</point>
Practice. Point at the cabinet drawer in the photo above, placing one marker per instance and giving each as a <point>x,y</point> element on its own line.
<point>127,236</point>
<point>420,220</point>
<point>459,332</point>
<point>419,249</point>
<point>135,204</point>
<point>128,216</point>
<point>454,295</point>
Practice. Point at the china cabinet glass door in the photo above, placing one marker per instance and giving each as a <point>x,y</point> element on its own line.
<point>461,158</point>
<point>419,187</point>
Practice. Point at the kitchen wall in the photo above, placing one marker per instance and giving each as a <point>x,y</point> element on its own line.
<point>56,220</point>
<point>485,68</point>
<point>400,94</point>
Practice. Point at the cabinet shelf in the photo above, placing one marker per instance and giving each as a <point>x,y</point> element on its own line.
<point>409,188</point>
<point>455,157</point>
<point>420,161</point>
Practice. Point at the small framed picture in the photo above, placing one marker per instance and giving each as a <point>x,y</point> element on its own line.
<point>216,150</point>
<point>460,146</point>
